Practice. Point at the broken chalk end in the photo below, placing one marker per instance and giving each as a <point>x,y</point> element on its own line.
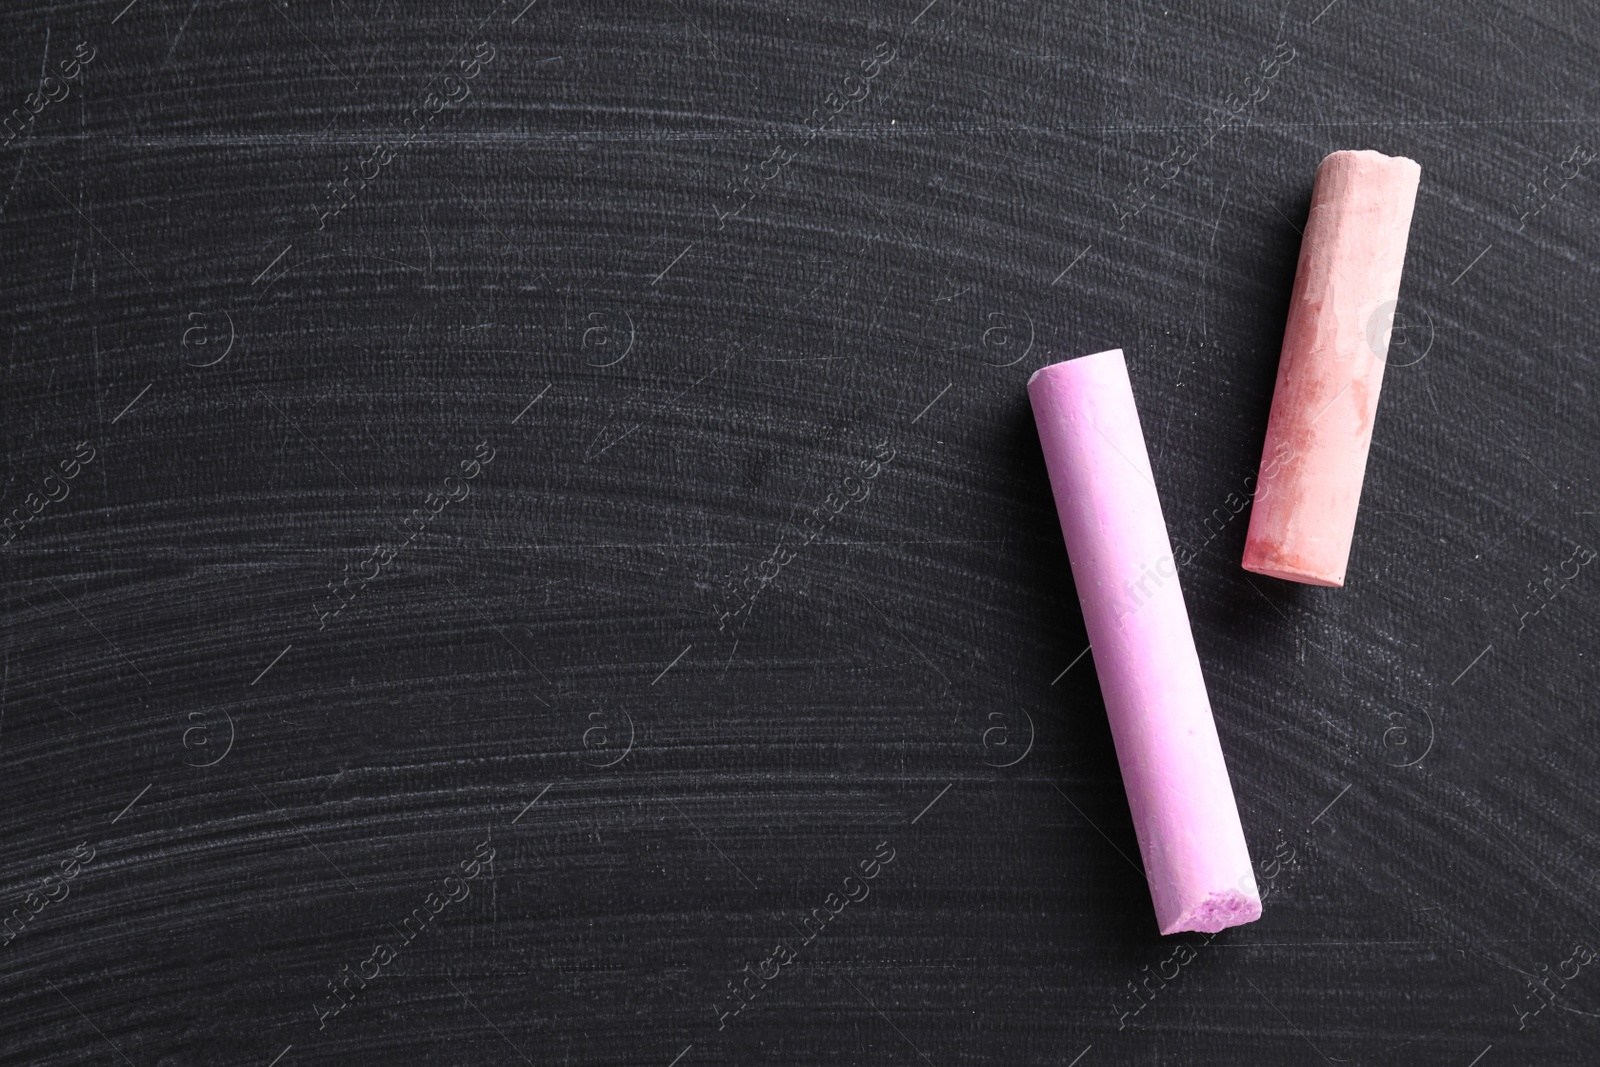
<point>1368,156</point>
<point>1217,912</point>
<point>1290,573</point>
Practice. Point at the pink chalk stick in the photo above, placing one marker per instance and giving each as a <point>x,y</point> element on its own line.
<point>1178,790</point>
<point>1334,349</point>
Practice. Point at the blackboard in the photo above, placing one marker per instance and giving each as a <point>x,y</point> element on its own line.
<point>526,540</point>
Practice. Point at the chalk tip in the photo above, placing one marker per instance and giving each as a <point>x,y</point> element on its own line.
<point>1291,573</point>
<point>1218,911</point>
<point>1367,157</point>
<point>1060,364</point>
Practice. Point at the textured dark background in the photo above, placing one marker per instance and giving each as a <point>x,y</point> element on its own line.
<point>267,797</point>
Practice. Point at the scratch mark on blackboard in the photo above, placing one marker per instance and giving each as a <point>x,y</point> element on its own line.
<point>97,630</point>
<point>531,803</point>
<point>92,226</point>
<point>712,843</point>
<point>904,638</point>
<point>532,402</point>
<point>308,440</point>
<point>1292,1026</point>
<point>274,662</point>
<point>1071,665</point>
<point>1074,262</point>
<point>713,45</point>
<point>479,612</point>
<point>79,1010</point>
<point>488,1020</point>
<point>274,263</point>
<point>131,803</point>
<point>868,999</point>
<point>132,402</point>
<point>1471,665</point>
<point>1268,599</point>
<point>1469,266</point>
<point>1331,803</point>
<point>308,840</point>
<point>1097,830</point>
<point>674,263</point>
<point>931,803</point>
<point>932,402</point>
<point>673,664</point>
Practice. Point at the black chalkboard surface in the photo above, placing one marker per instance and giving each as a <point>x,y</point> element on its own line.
<point>526,540</point>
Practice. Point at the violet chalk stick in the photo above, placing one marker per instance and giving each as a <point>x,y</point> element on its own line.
<point>1178,789</point>
<point>1334,349</point>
